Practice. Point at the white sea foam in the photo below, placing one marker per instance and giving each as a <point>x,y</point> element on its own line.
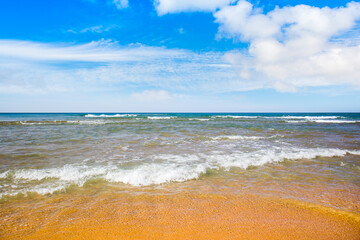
<point>160,118</point>
<point>177,158</point>
<point>296,121</point>
<point>322,121</point>
<point>237,137</point>
<point>89,122</point>
<point>164,168</point>
<point>199,119</point>
<point>231,116</point>
<point>242,137</point>
<point>4,174</point>
<point>68,173</point>
<point>306,117</point>
<point>33,123</point>
<point>110,116</point>
<point>156,174</point>
<point>261,157</point>
<point>335,121</point>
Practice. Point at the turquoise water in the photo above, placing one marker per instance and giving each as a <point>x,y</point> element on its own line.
<point>49,153</point>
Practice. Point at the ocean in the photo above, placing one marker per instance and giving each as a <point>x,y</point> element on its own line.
<point>312,157</point>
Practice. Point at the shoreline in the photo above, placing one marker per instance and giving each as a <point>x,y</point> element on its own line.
<point>178,216</point>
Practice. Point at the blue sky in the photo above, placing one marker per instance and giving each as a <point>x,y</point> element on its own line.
<point>187,56</point>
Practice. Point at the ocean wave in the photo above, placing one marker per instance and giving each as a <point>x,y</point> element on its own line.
<point>261,157</point>
<point>335,121</point>
<point>163,168</point>
<point>32,123</point>
<point>89,122</point>
<point>232,116</point>
<point>323,121</point>
<point>306,117</point>
<point>199,119</point>
<point>46,122</point>
<point>57,122</point>
<point>297,121</point>
<point>160,118</point>
<point>237,137</point>
<point>110,116</point>
<point>244,137</point>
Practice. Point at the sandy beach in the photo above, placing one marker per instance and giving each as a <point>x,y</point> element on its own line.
<point>179,216</point>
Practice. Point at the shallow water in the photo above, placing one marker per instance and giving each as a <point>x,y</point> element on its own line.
<point>308,156</point>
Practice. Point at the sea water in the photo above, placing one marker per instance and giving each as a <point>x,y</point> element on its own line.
<point>49,153</point>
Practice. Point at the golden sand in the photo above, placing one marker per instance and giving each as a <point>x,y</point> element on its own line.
<point>178,216</point>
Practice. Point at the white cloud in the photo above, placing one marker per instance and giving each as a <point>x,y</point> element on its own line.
<point>27,67</point>
<point>152,96</point>
<point>96,51</point>
<point>291,47</point>
<point>93,29</point>
<point>175,6</point>
<point>120,4</point>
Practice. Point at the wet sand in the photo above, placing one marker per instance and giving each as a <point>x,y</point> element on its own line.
<point>173,216</point>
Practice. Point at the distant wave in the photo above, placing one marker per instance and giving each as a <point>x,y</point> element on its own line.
<point>242,137</point>
<point>160,117</point>
<point>323,121</point>
<point>335,121</point>
<point>88,122</point>
<point>232,116</point>
<point>110,116</point>
<point>237,137</point>
<point>164,169</point>
<point>199,119</point>
<point>306,117</point>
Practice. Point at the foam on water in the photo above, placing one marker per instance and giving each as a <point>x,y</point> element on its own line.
<point>199,119</point>
<point>163,168</point>
<point>237,137</point>
<point>160,118</point>
<point>242,137</point>
<point>305,117</point>
<point>232,116</point>
<point>335,121</point>
<point>89,122</point>
<point>156,174</point>
<point>322,121</point>
<point>110,116</point>
<point>32,123</point>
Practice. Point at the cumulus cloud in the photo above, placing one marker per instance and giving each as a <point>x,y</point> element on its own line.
<point>175,6</point>
<point>292,47</point>
<point>120,4</point>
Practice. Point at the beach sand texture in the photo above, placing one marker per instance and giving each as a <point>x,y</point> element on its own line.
<point>180,216</point>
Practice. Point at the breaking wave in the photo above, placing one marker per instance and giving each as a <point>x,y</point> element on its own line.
<point>163,168</point>
<point>110,116</point>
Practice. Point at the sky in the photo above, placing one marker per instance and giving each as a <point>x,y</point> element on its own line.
<point>179,56</point>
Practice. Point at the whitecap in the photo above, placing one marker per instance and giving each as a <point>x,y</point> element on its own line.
<point>110,116</point>
<point>306,117</point>
<point>232,116</point>
<point>160,118</point>
<point>163,168</point>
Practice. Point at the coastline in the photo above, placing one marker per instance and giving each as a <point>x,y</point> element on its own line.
<point>189,176</point>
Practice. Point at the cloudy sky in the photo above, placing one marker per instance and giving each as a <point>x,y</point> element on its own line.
<point>179,56</point>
